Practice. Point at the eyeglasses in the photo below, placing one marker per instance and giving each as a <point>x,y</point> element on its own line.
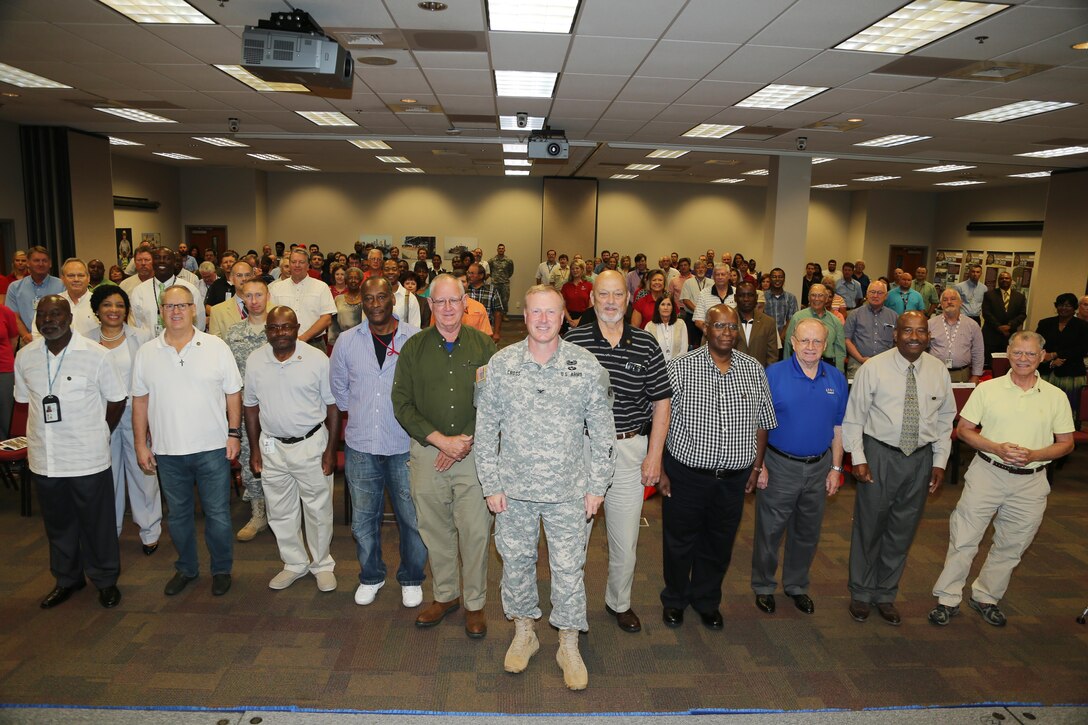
<point>720,326</point>
<point>282,327</point>
<point>170,306</point>
<point>446,301</point>
<point>1024,354</point>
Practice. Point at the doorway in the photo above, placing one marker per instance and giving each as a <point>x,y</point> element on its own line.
<point>207,237</point>
<point>907,259</point>
<point>7,244</point>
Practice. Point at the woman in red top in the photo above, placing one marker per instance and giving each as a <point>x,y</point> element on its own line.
<point>339,280</point>
<point>576,294</point>
<point>653,289</point>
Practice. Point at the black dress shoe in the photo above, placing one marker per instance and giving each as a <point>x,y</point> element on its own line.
<point>60,595</point>
<point>712,620</point>
<point>109,597</point>
<point>804,603</point>
<point>220,584</point>
<point>628,620</point>
<point>177,583</point>
<point>150,549</point>
<point>889,613</point>
<point>672,617</point>
<point>765,603</point>
<point>859,610</point>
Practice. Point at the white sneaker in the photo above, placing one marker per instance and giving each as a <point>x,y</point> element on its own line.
<point>285,579</point>
<point>411,596</point>
<point>366,593</point>
<point>326,580</point>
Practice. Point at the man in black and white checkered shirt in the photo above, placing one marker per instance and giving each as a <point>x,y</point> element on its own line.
<point>486,294</point>
<point>713,455</point>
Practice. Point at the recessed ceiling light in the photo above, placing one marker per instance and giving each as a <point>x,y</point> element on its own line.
<point>409,169</point>
<point>301,167</point>
<point>375,145</point>
<point>624,177</point>
<point>897,139</point>
<point>1013,111</point>
<point>917,24</point>
<point>945,168</point>
<point>114,141</point>
<point>408,100</point>
<point>828,186</point>
<point>532,16</point>
<point>179,157</point>
<point>821,160</point>
<point>219,141</point>
<point>23,79</point>
<point>854,120</point>
<point>327,118</point>
<point>9,94</point>
<point>239,73</point>
<point>517,162</point>
<point>169,12</point>
<point>666,154</point>
<point>1031,175</point>
<point>269,157</point>
<point>510,123</point>
<point>962,182</point>
<point>517,172</point>
<point>515,148</point>
<point>878,178</point>
<point>431,6</point>
<point>1079,46</point>
<point>133,114</point>
<point>525,84</point>
<point>376,60</point>
<point>711,130</point>
<point>727,181</point>
<point>641,167</point>
<point>779,96</point>
<point>1051,153</point>
<point>756,172</point>
<point>393,159</point>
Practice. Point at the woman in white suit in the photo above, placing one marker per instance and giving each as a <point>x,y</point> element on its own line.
<point>671,335</point>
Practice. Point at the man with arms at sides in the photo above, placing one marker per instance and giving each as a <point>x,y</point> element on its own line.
<point>539,396</point>
<point>405,304</point>
<point>904,298</point>
<point>294,428</point>
<point>364,363</point>
<point>972,292</point>
<point>956,340</point>
<point>74,275</point>
<point>758,336</point>
<point>676,283</point>
<point>23,296</point>
<point>897,429</point>
<point>1004,311</point>
<point>222,288</point>
<point>721,412</point>
<point>186,399</point>
<point>143,272</point>
<point>310,298</point>
<point>636,368</point>
<point>232,310</point>
<point>870,329</point>
<point>925,288</point>
<point>484,293</point>
<point>819,297</point>
<point>719,293</point>
<point>1025,424</point>
<point>860,276</point>
<point>74,399</point>
<point>803,466</point>
<point>849,288</point>
<point>501,271</point>
<point>778,304</point>
<point>432,399</point>
<point>147,296</point>
<point>188,261</point>
<point>544,269</point>
<point>690,293</point>
<point>634,277</point>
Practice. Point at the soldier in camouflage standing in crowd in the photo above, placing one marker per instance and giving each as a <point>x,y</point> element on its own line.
<point>540,395</point>
<point>502,270</point>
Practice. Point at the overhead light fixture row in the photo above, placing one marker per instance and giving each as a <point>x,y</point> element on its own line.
<point>373,145</point>
<point>517,172</point>
<point>393,159</point>
<point>1051,153</point>
<point>726,181</point>
<point>134,114</point>
<point>641,167</point>
<point>510,123</point>
<point>623,177</point>
<point>1012,111</point>
<point>962,182</point>
<point>945,168</point>
<point>517,162</point>
<point>710,130</point>
<point>828,186</point>
<point>269,157</point>
<point>25,79</point>
<point>756,172</point>
<point>779,96</point>
<point>896,139</point>
<point>409,170</point>
<point>917,24</point>
<point>220,141</point>
<point>525,84</point>
<point>179,157</point>
<point>666,154</point>
<point>159,12</point>
<point>239,73</point>
<point>878,178</point>
<point>532,16</point>
<point>327,118</point>
<point>115,141</point>
<point>515,148</point>
<point>1031,175</point>
<point>301,167</point>
<point>821,160</point>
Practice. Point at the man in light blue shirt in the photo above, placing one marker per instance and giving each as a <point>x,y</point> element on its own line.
<point>972,293</point>
<point>905,298</point>
<point>23,295</point>
<point>848,287</point>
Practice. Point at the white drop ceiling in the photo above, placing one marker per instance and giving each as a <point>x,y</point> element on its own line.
<point>634,75</point>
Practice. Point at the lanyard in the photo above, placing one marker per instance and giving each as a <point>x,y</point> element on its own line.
<point>49,375</point>
<point>950,334</point>
<point>391,347</point>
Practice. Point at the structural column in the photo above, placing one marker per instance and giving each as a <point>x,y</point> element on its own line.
<point>786,219</point>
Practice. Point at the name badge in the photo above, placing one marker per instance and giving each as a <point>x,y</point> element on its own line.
<point>51,409</point>
<point>268,445</point>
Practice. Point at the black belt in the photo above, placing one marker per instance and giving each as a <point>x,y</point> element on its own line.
<point>899,450</point>
<point>1006,467</point>
<point>956,370</point>
<point>299,439</point>
<point>800,459</point>
<point>720,473</point>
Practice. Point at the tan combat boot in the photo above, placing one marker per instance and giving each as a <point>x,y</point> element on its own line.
<point>257,523</point>
<point>570,661</point>
<point>524,646</point>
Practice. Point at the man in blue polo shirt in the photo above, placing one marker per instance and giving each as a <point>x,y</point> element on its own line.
<point>24,294</point>
<point>802,467</point>
<point>904,297</point>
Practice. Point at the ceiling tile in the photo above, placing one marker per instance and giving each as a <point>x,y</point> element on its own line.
<point>835,67</point>
<point>139,46</point>
<point>529,51</point>
<point>458,16</point>
<point>718,93</point>
<point>653,90</point>
<point>684,59</point>
<point>1008,30</point>
<point>633,19</point>
<point>703,20</point>
<point>607,56</point>
<point>467,105</point>
<point>760,64</point>
<point>884,82</point>
<point>823,23</point>
<point>633,111</point>
<point>460,82</point>
<point>208,44</point>
<point>589,87</point>
<point>443,59</point>
<point>394,80</point>
<point>570,108</point>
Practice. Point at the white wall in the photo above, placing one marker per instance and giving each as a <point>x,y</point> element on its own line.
<point>12,204</point>
<point>155,182</point>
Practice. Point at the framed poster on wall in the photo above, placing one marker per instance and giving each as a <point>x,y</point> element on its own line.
<point>124,246</point>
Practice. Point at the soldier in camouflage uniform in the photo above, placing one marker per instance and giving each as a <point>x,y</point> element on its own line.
<point>501,271</point>
<point>539,395</point>
<point>243,338</point>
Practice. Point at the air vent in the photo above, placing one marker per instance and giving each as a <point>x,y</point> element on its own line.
<point>384,38</point>
<point>759,133</point>
<point>834,126</point>
<point>134,202</point>
<point>722,162</point>
<point>445,153</point>
<point>413,108</point>
<point>252,51</point>
<point>998,72</point>
<point>1010,226</point>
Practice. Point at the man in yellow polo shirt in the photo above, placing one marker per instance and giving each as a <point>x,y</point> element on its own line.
<point>1027,423</point>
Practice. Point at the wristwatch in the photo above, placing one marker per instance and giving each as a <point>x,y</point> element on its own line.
<point>837,468</point>
<point>234,433</point>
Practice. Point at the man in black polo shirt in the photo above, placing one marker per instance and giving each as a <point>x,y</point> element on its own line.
<point>640,380</point>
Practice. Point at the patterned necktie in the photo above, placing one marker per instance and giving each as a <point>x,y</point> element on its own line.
<point>1005,299</point>
<point>908,439</point>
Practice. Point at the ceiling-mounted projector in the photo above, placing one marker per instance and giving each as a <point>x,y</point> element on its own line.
<point>548,144</point>
<point>290,47</point>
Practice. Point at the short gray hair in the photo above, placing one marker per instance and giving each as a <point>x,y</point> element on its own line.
<point>1025,335</point>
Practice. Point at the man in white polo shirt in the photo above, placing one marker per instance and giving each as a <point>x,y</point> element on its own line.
<point>147,296</point>
<point>310,298</point>
<point>181,383</point>
<point>294,427</point>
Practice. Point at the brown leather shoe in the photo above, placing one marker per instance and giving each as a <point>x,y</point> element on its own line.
<point>859,610</point>
<point>436,612</point>
<point>889,613</point>
<point>628,620</point>
<point>475,623</point>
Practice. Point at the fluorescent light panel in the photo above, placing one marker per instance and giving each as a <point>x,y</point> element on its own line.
<point>409,169</point>
<point>624,177</point>
<point>1013,111</point>
<point>710,130</point>
<point>756,172</point>
<point>269,157</point>
<point>727,181</point>
<point>24,79</point>
<point>301,167</point>
<point>525,84</point>
<point>239,73</point>
<point>159,12</point>
<point>963,182</point>
<point>1051,153</point>
<point>515,148</point>
<point>945,168</point>
<point>532,16</point>
<point>373,145</point>
<point>918,24</point>
<point>510,123</point>
<point>878,178</point>
<point>179,157</point>
<point>517,172</point>
<point>828,186</point>
<point>897,139</point>
<point>133,114</point>
<point>327,118</point>
<point>393,159</point>
<point>517,162</point>
<point>666,154</point>
<point>115,141</point>
<point>779,96</point>
<point>1031,175</point>
<point>641,167</point>
<point>821,160</point>
<point>220,141</point>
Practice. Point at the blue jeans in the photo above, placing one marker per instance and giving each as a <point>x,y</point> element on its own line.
<point>210,471</point>
<point>368,476</point>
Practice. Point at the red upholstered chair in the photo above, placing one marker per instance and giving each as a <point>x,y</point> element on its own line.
<point>961,391</point>
<point>1000,364</point>
<point>1080,437</point>
<point>11,461</point>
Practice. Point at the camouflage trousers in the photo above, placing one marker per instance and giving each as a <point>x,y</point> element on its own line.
<point>253,489</point>
<point>517,533</point>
